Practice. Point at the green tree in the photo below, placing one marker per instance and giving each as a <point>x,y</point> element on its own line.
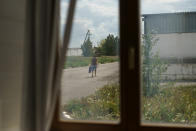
<point>87,48</point>
<point>98,50</point>
<point>152,65</point>
<point>110,45</point>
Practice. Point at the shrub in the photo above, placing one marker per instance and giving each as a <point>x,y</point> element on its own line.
<point>172,104</point>
<point>108,46</point>
<point>102,105</point>
<point>152,65</point>
<point>107,59</point>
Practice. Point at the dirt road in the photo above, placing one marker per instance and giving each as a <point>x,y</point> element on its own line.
<point>77,83</point>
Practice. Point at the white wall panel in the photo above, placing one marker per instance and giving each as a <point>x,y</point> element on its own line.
<point>178,45</point>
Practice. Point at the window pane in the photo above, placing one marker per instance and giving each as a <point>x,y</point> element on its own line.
<point>90,86</point>
<point>168,61</point>
<point>64,4</point>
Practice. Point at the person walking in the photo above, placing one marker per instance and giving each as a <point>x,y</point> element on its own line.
<point>93,66</point>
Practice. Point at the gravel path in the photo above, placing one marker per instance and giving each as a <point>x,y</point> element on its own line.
<point>77,82</point>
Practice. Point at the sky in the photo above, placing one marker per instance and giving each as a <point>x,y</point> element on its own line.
<point>167,6</point>
<point>101,16</point>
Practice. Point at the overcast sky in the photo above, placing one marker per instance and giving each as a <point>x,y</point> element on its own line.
<point>101,16</point>
<point>167,6</point>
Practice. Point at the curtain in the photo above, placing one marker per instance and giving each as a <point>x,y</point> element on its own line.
<point>43,62</point>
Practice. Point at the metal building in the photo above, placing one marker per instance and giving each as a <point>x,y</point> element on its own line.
<point>176,33</point>
<point>165,23</point>
<point>177,41</point>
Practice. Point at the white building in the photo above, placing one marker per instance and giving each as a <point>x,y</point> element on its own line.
<point>74,52</point>
<point>177,41</point>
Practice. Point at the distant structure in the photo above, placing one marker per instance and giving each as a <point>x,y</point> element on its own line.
<point>88,34</point>
<point>74,52</point>
<point>177,41</point>
<point>78,51</point>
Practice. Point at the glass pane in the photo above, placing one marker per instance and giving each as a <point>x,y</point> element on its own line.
<point>64,4</point>
<point>90,86</point>
<point>168,61</point>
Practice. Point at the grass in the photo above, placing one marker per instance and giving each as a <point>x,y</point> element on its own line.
<point>79,61</point>
<point>107,59</point>
<point>172,104</point>
<point>102,105</point>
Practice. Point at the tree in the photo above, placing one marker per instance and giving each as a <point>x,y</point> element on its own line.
<point>152,66</point>
<point>110,45</point>
<point>87,48</point>
<point>98,50</point>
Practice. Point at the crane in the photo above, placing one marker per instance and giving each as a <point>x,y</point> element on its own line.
<point>88,34</point>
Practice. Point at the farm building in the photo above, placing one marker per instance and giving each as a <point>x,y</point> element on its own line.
<point>74,52</point>
<point>177,42</point>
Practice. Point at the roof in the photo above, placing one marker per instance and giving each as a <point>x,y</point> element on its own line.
<point>164,23</point>
<point>191,12</point>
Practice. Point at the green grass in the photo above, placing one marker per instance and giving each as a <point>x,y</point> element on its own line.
<point>79,61</point>
<point>107,59</point>
<point>102,105</point>
<point>172,104</point>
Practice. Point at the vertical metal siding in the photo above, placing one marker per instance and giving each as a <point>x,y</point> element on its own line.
<point>171,23</point>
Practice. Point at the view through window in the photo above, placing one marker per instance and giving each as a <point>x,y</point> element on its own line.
<point>168,61</point>
<point>90,88</point>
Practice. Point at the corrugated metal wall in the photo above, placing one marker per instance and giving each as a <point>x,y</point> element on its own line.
<point>170,23</point>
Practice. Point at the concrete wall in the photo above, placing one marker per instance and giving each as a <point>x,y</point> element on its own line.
<point>180,72</point>
<point>12,25</point>
<point>74,52</point>
<point>177,45</point>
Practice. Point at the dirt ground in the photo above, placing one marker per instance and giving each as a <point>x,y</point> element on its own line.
<point>77,82</point>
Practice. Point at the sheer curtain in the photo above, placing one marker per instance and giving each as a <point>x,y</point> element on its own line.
<point>43,62</point>
<point>12,26</point>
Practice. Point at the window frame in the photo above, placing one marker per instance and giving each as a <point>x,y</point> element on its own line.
<point>130,80</point>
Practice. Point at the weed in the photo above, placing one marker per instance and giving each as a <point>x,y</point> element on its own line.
<point>172,104</point>
<point>102,105</point>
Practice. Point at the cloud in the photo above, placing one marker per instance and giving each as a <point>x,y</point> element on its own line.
<point>169,1</point>
<point>107,8</point>
<point>99,16</point>
<point>63,9</point>
<point>84,22</point>
<point>160,1</point>
<point>99,32</point>
<point>167,6</point>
